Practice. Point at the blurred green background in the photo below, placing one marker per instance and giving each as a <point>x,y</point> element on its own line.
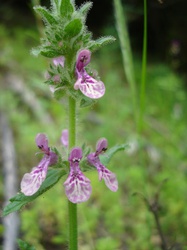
<point>108,221</point>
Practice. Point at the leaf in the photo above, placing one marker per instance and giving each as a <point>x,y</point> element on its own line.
<point>20,200</point>
<point>66,8</point>
<point>46,15</point>
<point>49,52</point>
<point>24,245</point>
<point>73,28</point>
<point>55,4</point>
<point>105,158</point>
<point>85,8</point>
<point>59,93</point>
<point>97,44</point>
<point>86,102</point>
<point>36,51</point>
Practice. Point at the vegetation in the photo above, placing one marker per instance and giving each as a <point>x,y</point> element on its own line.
<point>152,172</point>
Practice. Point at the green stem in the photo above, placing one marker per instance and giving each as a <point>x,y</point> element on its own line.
<point>126,52</point>
<point>72,208</point>
<point>143,77</point>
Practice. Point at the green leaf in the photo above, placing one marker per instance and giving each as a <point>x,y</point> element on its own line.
<point>59,93</point>
<point>73,28</point>
<point>105,158</point>
<point>49,52</point>
<point>24,245</point>
<point>55,4</point>
<point>46,15</point>
<point>36,51</point>
<point>20,200</point>
<point>86,102</point>
<point>97,44</point>
<point>84,9</point>
<point>66,8</point>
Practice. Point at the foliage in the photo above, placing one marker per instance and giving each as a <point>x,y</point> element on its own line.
<point>25,246</point>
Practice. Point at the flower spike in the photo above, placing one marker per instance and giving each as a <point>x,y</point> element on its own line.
<point>104,173</point>
<point>89,86</point>
<point>77,186</point>
<point>32,181</point>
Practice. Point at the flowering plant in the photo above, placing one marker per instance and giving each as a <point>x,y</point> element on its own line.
<point>69,45</point>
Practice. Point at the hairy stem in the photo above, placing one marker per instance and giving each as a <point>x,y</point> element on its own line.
<point>72,208</point>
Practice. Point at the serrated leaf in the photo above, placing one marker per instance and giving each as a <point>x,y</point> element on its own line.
<point>85,8</point>
<point>66,8</point>
<point>105,158</point>
<point>20,200</point>
<point>97,44</point>
<point>46,15</point>
<point>24,245</point>
<point>73,28</point>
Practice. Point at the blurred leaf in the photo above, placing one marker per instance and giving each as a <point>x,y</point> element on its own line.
<point>45,14</point>
<point>20,200</point>
<point>24,245</point>
<point>105,158</point>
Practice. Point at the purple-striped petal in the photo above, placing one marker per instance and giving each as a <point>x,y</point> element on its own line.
<point>109,178</point>
<point>32,181</point>
<point>77,187</point>
<point>90,87</point>
<point>104,173</point>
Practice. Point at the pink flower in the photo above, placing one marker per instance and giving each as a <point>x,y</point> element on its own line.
<point>32,181</point>
<point>64,138</point>
<point>104,173</point>
<point>77,186</point>
<point>89,86</point>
